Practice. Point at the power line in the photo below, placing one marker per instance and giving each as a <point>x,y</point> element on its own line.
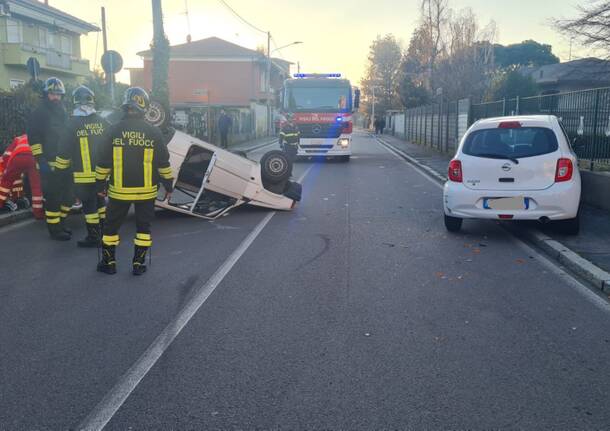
<point>241,18</point>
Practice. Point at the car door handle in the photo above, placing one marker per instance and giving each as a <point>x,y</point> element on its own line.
<point>507,180</point>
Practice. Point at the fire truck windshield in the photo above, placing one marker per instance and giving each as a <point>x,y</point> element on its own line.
<point>318,99</point>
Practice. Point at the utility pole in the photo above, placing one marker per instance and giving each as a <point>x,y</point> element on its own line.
<point>109,76</point>
<point>269,120</point>
<point>160,50</point>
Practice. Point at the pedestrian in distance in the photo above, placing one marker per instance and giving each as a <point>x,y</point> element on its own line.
<point>290,137</point>
<point>224,126</point>
<point>16,161</point>
<point>45,127</point>
<point>78,150</point>
<point>134,158</point>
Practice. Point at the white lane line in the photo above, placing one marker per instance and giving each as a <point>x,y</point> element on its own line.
<point>580,287</point>
<point>110,404</point>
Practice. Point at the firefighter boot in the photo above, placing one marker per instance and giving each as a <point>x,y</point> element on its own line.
<point>93,237</point>
<point>64,228</point>
<point>57,233</point>
<point>108,263</point>
<point>139,260</point>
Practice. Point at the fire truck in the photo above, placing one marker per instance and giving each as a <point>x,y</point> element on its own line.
<point>322,106</point>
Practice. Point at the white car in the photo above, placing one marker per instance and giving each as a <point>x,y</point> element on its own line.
<point>514,168</point>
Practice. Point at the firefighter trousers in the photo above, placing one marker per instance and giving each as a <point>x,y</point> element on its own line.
<point>57,190</point>
<point>94,206</point>
<point>291,151</point>
<point>19,165</point>
<point>115,215</point>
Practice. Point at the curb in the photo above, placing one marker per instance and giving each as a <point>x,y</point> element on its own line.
<point>15,217</point>
<point>580,266</point>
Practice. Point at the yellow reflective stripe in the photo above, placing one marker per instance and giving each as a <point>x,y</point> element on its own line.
<point>148,158</point>
<point>165,173</point>
<point>102,171</point>
<point>65,208</point>
<point>110,239</point>
<point>143,236</point>
<point>101,210</point>
<point>53,164</point>
<point>53,220</point>
<point>142,243</point>
<point>84,177</point>
<point>92,218</point>
<point>118,190</point>
<point>132,197</point>
<point>52,213</point>
<point>84,180</point>
<point>36,149</point>
<point>84,154</point>
<point>117,164</point>
<point>62,163</point>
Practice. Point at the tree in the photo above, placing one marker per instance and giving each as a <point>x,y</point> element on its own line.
<point>383,72</point>
<point>510,84</point>
<point>411,94</point>
<point>526,53</point>
<point>591,27</point>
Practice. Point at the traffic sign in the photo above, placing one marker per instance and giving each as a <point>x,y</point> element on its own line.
<point>33,67</point>
<point>112,62</point>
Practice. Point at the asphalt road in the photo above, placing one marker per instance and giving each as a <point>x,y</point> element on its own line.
<point>354,311</point>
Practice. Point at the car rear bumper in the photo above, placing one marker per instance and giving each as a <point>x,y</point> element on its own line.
<point>559,202</point>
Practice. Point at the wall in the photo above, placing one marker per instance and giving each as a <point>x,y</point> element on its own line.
<point>228,83</point>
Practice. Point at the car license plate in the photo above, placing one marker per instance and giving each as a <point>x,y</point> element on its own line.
<point>506,204</point>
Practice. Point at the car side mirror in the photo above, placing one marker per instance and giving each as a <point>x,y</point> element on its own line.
<point>356,99</point>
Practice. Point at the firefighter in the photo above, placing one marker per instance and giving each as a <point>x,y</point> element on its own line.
<point>77,151</point>
<point>289,139</point>
<point>135,159</point>
<point>45,126</point>
<point>16,161</point>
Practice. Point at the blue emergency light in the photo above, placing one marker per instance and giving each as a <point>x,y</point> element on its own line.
<point>317,75</point>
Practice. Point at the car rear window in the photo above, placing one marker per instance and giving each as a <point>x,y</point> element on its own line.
<point>511,143</point>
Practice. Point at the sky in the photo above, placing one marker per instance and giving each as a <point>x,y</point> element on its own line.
<point>336,36</point>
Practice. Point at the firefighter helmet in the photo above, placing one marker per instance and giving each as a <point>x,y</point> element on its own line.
<point>136,98</point>
<point>54,86</point>
<point>83,96</point>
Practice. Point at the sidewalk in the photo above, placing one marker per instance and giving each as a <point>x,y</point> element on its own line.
<point>20,215</point>
<point>591,245</point>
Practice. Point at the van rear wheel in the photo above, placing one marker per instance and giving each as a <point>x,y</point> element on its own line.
<point>453,224</point>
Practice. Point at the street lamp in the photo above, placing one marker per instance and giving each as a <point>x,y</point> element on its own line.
<point>269,52</point>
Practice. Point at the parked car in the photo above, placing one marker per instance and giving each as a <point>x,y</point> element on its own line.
<point>514,168</point>
<point>210,181</point>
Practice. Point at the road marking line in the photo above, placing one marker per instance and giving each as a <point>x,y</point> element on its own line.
<point>13,226</point>
<point>114,399</point>
<point>554,267</point>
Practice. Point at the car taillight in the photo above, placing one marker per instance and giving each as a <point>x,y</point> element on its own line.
<point>347,127</point>
<point>455,171</point>
<point>565,170</point>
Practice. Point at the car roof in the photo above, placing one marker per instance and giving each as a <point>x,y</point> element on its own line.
<point>525,120</point>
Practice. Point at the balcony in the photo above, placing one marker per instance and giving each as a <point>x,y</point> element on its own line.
<point>16,54</point>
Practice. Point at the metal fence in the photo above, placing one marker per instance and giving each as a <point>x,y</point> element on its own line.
<point>13,114</point>
<point>584,114</point>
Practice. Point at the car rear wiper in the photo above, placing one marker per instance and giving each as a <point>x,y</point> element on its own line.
<point>499,156</point>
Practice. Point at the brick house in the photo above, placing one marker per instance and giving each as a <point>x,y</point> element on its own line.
<point>210,74</point>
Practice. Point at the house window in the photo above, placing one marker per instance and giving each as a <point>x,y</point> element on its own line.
<point>43,37</point>
<point>263,81</point>
<point>16,83</point>
<point>14,31</point>
<point>66,45</point>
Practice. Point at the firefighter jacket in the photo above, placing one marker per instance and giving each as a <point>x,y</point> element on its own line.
<point>135,158</point>
<point>289,134</point>
<point>79,146</point>
<point>20,145</point>
<point>45,127</point>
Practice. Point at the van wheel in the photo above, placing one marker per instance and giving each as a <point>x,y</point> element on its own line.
<point>344,159</point>
<point>275,167</point>
<point>570,226</point>
<point>453,224</point>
